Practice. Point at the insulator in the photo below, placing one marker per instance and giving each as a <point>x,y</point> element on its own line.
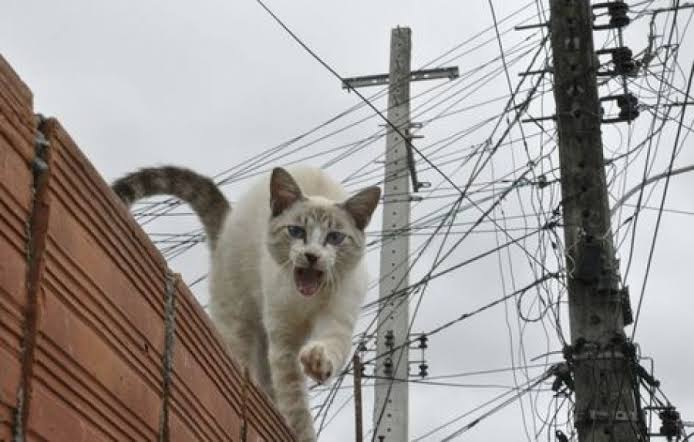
<point>362,346</point>
<point>423,342</point>
<point>389,338</point>
<point>628,107</point>
<point>423,370</point>
<point>671,424</point>
<point>622,59</point>
<point>618,14</point>
<point>563,377</point>
<point>388,367</point>
<point>561,437</point>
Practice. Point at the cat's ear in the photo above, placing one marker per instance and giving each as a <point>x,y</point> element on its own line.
<point>362,205</point>
<point>283,191</point>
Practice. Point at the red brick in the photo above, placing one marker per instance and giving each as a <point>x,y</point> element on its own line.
<point>199,350</point>
<point>105,287</point>
<point>54,419</point>
<point>14,85</point>
<point>181,430</point>
<point>10,348</point>
<point>5,423</point>
<point>12,271</point>
<point>73,360</point>
<point>9,369</point>
<point>17,122</point>
<point>197,396</point>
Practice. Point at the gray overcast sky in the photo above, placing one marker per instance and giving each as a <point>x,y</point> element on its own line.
<point>211,83</point>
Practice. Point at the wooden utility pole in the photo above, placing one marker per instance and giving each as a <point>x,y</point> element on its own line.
<point>391,408</point>
<point>600,355</point>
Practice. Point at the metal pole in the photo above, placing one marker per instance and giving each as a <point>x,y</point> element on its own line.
<point>599,354</point>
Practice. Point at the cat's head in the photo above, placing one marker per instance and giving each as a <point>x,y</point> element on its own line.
<point>314,238</point>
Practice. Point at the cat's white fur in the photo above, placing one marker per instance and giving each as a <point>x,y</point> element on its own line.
<point>278,333</point>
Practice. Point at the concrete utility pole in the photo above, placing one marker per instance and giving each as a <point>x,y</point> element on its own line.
<point>391,402</point>
<point>391,407</point>
<point>599,356</point>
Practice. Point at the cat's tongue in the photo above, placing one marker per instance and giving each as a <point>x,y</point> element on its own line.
<point>307,280</point>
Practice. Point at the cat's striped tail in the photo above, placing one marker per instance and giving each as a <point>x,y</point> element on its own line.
<point>199,191</point>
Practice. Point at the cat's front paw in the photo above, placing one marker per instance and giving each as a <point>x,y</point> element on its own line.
<point>316,361</point>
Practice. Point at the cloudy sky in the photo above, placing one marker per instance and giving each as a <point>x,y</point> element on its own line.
<point>212,84</point>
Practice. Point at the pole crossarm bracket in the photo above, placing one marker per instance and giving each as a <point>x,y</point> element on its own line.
<point>404,80</point>
<point>600,415</point>
<point>450,73</point>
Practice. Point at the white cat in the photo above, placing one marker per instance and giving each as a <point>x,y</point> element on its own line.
<point>288,274</point>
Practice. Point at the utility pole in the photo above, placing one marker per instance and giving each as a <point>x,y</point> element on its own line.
<point>358,424</point>
<point>391,408</point>
<point>600,355</point>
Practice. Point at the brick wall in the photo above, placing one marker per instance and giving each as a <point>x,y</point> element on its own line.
<point>99,340</point>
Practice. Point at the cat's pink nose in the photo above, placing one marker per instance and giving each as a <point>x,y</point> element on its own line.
<point>311,258</point>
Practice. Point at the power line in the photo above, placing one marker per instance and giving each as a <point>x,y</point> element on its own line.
<point>660,209</point>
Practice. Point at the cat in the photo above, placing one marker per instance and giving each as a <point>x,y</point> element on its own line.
<point>287,272</point>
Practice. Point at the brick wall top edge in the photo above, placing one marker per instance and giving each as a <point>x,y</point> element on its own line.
<point>15,85</point>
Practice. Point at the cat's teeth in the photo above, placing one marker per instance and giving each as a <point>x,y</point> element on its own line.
<point>307,280</point>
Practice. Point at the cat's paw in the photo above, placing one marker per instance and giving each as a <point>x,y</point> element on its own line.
<point>316,361</point>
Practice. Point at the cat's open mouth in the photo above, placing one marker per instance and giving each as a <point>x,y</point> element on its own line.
<point>307,280</point>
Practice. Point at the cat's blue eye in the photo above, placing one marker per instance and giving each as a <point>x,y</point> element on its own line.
<point>335,238</point>
<point>296,232</point>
